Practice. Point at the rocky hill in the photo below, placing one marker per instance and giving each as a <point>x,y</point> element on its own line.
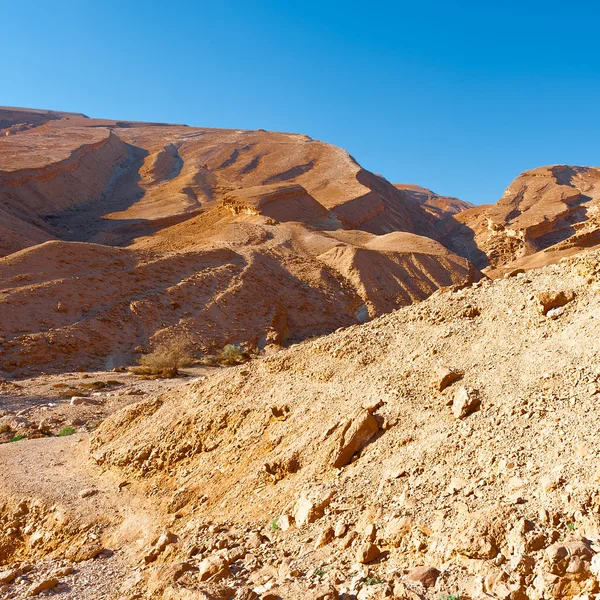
<point>445,450</point>
<point>118,236</point>
<point>544,215</point>
<point>417,413</point>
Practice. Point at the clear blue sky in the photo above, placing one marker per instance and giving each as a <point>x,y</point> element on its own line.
<point>457,96</point>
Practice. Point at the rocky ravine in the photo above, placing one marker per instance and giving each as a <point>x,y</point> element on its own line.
<point>445,450</point>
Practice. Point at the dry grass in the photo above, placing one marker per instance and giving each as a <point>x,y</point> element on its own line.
<point>166,359</point>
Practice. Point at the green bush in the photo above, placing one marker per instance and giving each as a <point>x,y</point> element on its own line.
<point>233,354</point>
<point>66,431</point>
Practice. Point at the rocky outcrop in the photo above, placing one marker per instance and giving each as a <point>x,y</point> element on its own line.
<point>545,214</point>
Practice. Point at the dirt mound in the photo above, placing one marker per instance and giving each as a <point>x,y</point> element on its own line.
<point>88,306</point>
<point>445,448</point>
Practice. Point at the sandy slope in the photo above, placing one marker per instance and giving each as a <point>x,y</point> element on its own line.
<point>495,499</point>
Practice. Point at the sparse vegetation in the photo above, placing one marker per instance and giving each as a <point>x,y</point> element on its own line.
<point>166,359</point>
<point>320,572</point>
<point>275,524</point>
<point>17,438</point>
<point>232,354</point>
<point>100,385</point>
<point>449,597</point>
<point>66,431</point>
<point>373,581</point>
<point>571,526</point>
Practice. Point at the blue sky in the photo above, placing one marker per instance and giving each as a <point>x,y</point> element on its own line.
<point>457,96</point>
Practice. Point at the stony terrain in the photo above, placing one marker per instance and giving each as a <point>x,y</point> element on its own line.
<point>439,442</point>
<point>458,434</point>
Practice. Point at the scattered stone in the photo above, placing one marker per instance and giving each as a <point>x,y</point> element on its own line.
<point>86,552</point>
<point>311,505</point>
<point>554,313</point>
<point>367,552</point>
<point>284,522</point>
<point>255,540</point>
<point>323,592</point>
<point>246,593</point>
<point>214,567</point>
<point>340,528</point>
<point>9,575</point>
<point>402,592</point>
<point>375,592</point>
<point>63,572</point>
<point>42,586</point>
<point>324,538</point>
<point>86,493</point>
<point>445,377</point>
<point>83,401</point>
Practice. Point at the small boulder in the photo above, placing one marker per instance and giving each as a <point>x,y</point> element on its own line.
<point>284,522</point>
<point>572,556</point>
<point>378,591</point>
<point>340,528</point>
<point>324,538</point>
<point>311,505</point>
<point>355,434</point>
<point>465,402</point>
<point>255,540</point>
<point>63,572</point>
<point>554,313</point>
<point>42,586</point>
<point>402,592</point>
<point>549,300</point>
<point>426,576</point>
<point>82,401</point>
<point>445,377</point>
<point>86,552</point>
<point>367,552</point>
<point>8,576</point>
<point>214,567</point>
<point>323,592</point>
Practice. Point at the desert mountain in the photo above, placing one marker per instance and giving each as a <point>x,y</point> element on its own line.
<point>406,427</point>
<point>544,215</point>
<point>436,205</point>
<point>119,235</point>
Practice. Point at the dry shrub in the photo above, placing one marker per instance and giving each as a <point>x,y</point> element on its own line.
<point>166,359</point>
<point>233,355</point>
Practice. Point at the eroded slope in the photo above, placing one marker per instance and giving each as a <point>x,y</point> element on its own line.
<point>341,464</point>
